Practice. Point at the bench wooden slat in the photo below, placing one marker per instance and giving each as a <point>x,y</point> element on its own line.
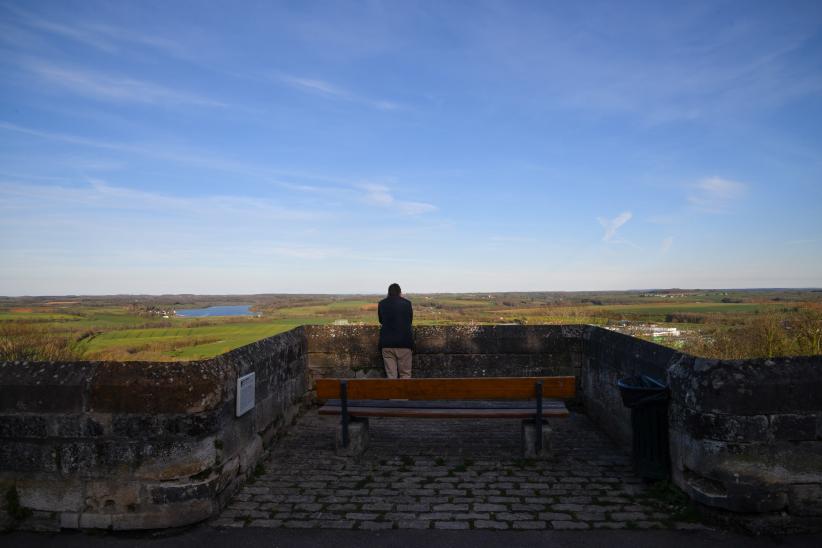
<point>449,404</point>
<point>551,412</point>
<point>471,388</point>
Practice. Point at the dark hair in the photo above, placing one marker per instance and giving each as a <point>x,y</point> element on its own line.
<point>394,290</point>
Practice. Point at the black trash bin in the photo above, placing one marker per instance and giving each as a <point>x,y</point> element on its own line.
<point>648,400</point>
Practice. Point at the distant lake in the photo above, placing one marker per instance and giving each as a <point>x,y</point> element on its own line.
<point>239,310</point>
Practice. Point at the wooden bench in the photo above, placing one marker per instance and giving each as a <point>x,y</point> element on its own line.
<point>438,398</point>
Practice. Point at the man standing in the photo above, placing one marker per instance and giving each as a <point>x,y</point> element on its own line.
<point>396,338</point>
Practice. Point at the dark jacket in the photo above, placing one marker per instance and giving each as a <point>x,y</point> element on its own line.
<point>395,316</point>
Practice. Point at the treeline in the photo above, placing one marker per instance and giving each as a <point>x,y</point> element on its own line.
<point>762,336</point>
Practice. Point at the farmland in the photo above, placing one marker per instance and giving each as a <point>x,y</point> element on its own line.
<point>740,323</point>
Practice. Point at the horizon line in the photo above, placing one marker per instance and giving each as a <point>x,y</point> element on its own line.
<point>370,293</point>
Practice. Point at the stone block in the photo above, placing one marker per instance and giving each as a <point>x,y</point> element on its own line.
<point>148,388</point>
<point>357,339</point>
<point>42,522</point>
<point>142,426</point>
<point>182,491</point>
<point>119,455</point>
<point>471,339</point>
<point>330,362</point>
<point>229,471</point>
<point>794,427</point>
<point>50,494</point>
<point>69,520</point>
<point>94,520</point>
<point>748,387</point>
<point>237,437</point>
<point>264,412</point>
<point>529,440</point>
<point>77,426</point>
<point>27,456</point>
<point>80,456</point>
<point>97,458</point>
<point>755,428</point>
<point>357,438</point>
<point>111,495</point>
<point>806,499</point>
<point>743,477</point>
<point>166,460</point>
<point>137,426</point>
<point>164,516</point>
<point>250,455</point>
<point>22,426</point>
<point>430,339</point>
<point>47,387</point>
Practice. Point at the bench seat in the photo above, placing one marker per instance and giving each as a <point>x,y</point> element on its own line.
<point>533,399</point>
<point>444,409</point>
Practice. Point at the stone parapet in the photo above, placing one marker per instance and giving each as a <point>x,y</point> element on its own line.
<point>152,445</point>
<point>141,445</point>
<point>746,438</point>
<point>450,351</point>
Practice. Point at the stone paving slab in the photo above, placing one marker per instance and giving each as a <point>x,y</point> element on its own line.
<point>446,474</point>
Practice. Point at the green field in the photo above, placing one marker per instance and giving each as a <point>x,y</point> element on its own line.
<point>336,308</point>
<point>129,328</point>
<point>220,338</point>
<point>701,308</point>
<point>35,316</point>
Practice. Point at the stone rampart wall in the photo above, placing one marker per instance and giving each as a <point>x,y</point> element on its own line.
<point>608,357</point>
<point>151,445</point>
<point>746,437</point>
<point>141,445</point>
<point>451,351</point>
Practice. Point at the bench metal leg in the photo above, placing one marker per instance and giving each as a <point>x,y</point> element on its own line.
<point>344,412</point>
<point>536,439</point>
<point>538,417</point>
<point>352,436</point>
<point>357,438</point>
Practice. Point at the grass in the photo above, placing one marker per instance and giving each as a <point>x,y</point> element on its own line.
<point>336,307</point>
<point>36,316</point>
<point>15,510</point>
<point>184,342</point>
<point>670,498</point>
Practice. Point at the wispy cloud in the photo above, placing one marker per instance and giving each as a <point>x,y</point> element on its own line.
<point>714,71</point>
<point>326,89</point>
<point>193,157</point>
<point>98,194</point>
<point>512,239</point>
<point>715,194</point>
<point>612,225</point>
<point>116,88</point>
<point>104,37</point>
<point>304,252</point>
<point>371,193</point>
<point>666,244</point>
<point>380,195</point>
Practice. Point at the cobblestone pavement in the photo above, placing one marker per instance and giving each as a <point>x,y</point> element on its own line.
<point>446,474</point>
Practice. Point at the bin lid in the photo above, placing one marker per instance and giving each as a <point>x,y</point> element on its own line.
<point>641,382</point>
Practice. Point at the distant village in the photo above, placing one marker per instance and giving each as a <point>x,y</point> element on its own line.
<point>152,310</point>
<point>672,336</point>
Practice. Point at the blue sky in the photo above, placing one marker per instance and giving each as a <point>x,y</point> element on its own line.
<point>224,147</point>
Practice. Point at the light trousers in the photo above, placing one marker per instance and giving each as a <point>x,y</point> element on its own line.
<point>397,360</point>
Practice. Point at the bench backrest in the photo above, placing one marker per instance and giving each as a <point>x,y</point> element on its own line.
<point>469,388</point>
